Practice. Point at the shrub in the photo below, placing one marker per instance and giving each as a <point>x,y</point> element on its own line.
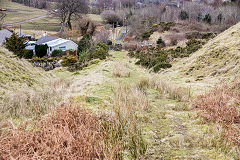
<point>27,54</point>
<point>207,18</point>
<point>146,34</point>
<point>56,53</point>
<point>166,26</point>
<point>15,44</point>
<point>85,43</point>
<point>193,45</point>
<point>41,50</point>
<point>68,61</point>
<point>163,65</point>
<point>112,17</point>
<point>160,42</point>
<point>99,51</point>
<point>207,35</point>
<point>183,15</point>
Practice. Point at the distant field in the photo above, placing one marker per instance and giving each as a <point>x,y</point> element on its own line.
<point>46,24</point>
<point>17,12</point>
<point>95,17</point>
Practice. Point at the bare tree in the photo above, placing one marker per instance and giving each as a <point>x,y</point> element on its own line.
<point>2,15</point>
<point>86,26</point>
<point>66,9</point>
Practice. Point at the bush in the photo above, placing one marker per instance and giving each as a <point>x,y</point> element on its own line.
<point>183,15</point>
<point>56,53</point>
<point>160,42</point>
<point>146,34</point>
<point>207,18</point>
<point>69,61</point>
<point>207,35</point>
<point>41,50</point>
<point>166,26</point>
<point>112,17</point>
<point>163,65</point>
<point>28,54</point>
<point>193,45</point>
<point>15,44</point>
<point>99,51</point>
<point>85,43</point>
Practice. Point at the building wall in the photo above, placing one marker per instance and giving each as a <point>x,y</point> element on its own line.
<point>69,46</point>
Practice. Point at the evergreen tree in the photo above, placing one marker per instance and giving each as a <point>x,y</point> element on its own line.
<point>15,44</point>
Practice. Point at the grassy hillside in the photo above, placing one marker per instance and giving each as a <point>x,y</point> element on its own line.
<point>27,92</point>
<point>216,61</point>
<point>220,57</point>
<point>16,73</point>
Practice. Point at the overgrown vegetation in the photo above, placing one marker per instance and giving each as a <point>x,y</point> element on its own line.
<point>112,17</point>
<point>87,51</point>
<point>158,58</point>
<point>221,105</point>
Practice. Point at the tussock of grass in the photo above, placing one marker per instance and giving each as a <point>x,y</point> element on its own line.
<point>33,103</point>
<point>173,92</point>
<point>121,69</point>
<point>126,102</point>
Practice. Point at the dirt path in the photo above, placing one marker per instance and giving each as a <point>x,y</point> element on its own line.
<point>172,130</point>
<point>27,20</point>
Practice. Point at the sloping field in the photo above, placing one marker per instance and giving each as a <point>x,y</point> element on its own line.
<point>16,73</point>
<point>217,61</point>
<point>220,57</point>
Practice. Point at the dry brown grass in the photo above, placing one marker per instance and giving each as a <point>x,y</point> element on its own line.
<point>121,69</point>
<point>71,132</point>
<point>173,92</point>
<point>221,105</point>
<point>67,133</point>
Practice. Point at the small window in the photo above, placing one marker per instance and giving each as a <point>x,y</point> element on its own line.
<point>63,48</point>
<point>50,49</point>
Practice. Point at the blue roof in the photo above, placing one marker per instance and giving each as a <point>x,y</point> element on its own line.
<point>45,39</point>
<point>4,34</point>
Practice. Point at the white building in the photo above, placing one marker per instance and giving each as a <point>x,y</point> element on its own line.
<point>55,43</point>
<point>60,44</point>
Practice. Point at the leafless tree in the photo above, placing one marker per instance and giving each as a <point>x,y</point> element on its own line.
<point>67,9</point>
<point>86,26</point>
